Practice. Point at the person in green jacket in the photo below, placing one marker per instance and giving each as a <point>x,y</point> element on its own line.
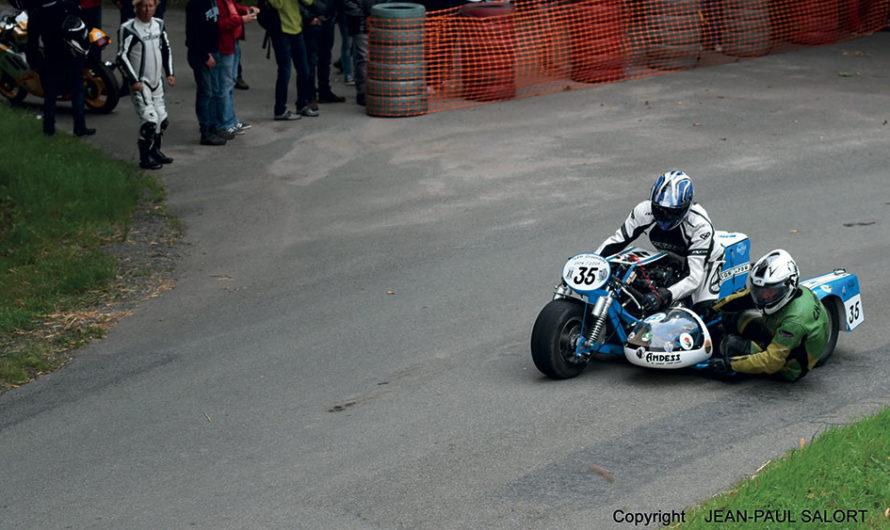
<point>290,48</point>
<point>775,325</point>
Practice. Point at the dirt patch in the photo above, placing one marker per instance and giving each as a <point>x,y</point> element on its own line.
<point>147,252</point>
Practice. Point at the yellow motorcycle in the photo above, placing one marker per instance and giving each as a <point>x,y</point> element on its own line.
<point>18,79</point>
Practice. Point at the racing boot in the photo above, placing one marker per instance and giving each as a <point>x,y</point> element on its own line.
<point>146,160</point>
<point>156,151</point>
<point>156,145</point>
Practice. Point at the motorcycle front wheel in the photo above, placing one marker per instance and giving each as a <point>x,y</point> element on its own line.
<point>554,335</point>
<point>10,89</point>
<point>101,92</point>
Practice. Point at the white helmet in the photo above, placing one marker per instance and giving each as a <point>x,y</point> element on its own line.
<point>773,280</point>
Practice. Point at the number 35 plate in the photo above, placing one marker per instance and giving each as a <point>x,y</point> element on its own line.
<point>586,272</point>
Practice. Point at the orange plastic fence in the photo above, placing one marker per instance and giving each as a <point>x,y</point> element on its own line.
<point>424,62</point>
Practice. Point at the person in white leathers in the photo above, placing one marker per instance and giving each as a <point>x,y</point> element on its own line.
<point>145,54</point>
<point>681,228</point>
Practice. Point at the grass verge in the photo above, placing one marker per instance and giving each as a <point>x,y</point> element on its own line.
<point>840,480</point>
<point>61,200</point>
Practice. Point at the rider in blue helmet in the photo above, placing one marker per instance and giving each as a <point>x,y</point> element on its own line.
<point>682,228</point>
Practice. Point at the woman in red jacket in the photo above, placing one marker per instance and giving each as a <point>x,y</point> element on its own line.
<point>232,17</point>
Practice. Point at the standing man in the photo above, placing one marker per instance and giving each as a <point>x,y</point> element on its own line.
<point>290,48</point>
<point>52,22</point>
<point>144,51</point>
<point>202,41</point>
<point>318,27</point>
<point>357,13</point>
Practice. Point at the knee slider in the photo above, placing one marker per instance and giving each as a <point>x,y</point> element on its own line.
<point>147,131</point>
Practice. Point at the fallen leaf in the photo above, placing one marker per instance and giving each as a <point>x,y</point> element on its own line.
<point>803,442</point>
<point>821,138</point>
<point>208,417</point>
<point>390,292</point>
<point>696,124</point>
<point>887,514</point>
<point>606,475</point>
<point>794,231</point>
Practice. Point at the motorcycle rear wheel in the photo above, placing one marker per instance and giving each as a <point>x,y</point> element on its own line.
<point>834,324</point>
<point>101,93</point>
<point>554,335</point>
<point>10,89</point>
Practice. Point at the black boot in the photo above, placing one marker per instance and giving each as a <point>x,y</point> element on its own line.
<point>156,151</point>
<point>146,160</point>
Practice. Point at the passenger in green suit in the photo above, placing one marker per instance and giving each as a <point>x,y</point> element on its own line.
<point>775,326</point>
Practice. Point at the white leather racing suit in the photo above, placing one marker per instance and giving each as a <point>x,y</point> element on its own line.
<point>693,241</point>
<point>144,52</point>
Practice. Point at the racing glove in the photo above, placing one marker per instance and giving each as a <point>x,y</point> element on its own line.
<point>660,298</point>
<point>719,365</point>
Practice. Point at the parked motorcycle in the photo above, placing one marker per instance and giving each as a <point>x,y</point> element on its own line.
<point>18,79</point>
<point>598,309</point>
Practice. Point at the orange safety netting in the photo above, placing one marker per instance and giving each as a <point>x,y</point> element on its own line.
<point>424,62</point>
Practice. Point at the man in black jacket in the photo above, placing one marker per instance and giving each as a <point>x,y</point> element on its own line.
<point>202,41</point>
<point>60,68</point>
<point>318,31</point>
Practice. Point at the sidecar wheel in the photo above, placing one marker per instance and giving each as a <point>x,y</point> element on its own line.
<point>834,325</point>
<point>554,335</point>
<point>10,89</point>
<point>101,92</point>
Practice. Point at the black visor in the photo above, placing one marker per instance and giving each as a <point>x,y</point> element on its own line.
<point>667,215</point>
<point>768,295</point>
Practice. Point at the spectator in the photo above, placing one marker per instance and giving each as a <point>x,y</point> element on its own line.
<point>202,42</point>
<point>232,17</point>
<point>345,62</point>
<point>144,51</point>
<point>60,68</point>
<point>318,30</point>
<point>357,13</point>
<point>290,47</point>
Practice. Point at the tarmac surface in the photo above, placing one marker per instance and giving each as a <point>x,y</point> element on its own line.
<point>347,343</point>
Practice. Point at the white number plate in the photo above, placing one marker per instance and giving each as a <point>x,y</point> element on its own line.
<point>853,309</point>
<point>586,272</point>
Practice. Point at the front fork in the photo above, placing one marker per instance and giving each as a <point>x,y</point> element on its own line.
<point>592,326</point>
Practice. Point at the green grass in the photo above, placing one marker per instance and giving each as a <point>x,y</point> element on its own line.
<point>840,480</point>
<point>60,199</point>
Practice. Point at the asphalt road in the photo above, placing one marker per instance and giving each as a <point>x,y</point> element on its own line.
<point>347,345</point>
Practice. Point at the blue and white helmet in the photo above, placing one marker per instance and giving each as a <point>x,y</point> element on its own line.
<point>671,198</point>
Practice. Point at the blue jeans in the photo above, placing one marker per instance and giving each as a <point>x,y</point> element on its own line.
<point>206,102</point>
<point>291,49</point>
<point>228,73</point>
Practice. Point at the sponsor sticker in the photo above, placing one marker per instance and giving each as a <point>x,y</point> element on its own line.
<point>686,341</point>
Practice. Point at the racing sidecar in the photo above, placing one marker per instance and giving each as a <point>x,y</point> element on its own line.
<point>597,309</point>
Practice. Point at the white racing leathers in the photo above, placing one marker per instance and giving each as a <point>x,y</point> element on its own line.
<point>693,241</point>
<point>144,51</point>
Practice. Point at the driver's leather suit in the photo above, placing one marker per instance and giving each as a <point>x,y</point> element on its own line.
<point>144,51</point>
<point>693,241</point>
